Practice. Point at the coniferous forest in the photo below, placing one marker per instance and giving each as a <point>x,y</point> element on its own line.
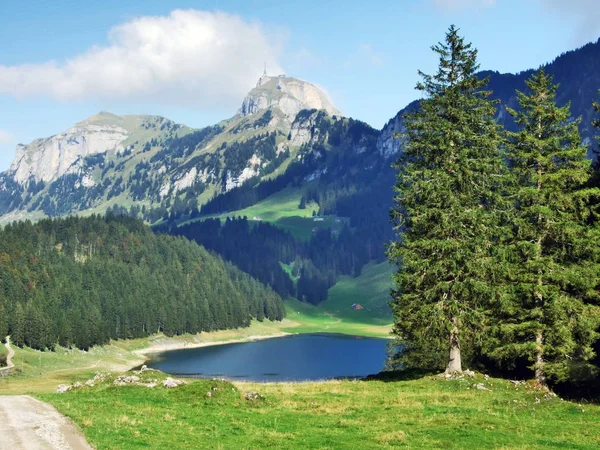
<point>259,249</point>
<point>83,281</point>
<point>497,250</point>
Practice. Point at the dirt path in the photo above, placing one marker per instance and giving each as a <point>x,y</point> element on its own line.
<point>28,424</point>
<point>11,353</point>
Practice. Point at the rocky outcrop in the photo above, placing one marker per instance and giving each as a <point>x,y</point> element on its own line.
<point>288,94</point>
<point>252,169</point>
<point>305,129</point>
<point>48,159</point>
<point>389,142</point>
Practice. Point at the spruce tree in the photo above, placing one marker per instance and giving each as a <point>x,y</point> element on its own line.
<point>446,207</point>
<point>549,312</point>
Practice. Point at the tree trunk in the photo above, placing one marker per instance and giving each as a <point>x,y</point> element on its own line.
<point>539,359</point>
<point>455,363</point>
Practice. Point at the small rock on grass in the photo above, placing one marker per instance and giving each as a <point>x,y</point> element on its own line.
<point>172,383</point>
<point>253,396</point>
<point>62,388</point>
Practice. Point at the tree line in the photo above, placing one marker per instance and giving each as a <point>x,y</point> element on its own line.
<point>497,232</point>
<point>79,282</point>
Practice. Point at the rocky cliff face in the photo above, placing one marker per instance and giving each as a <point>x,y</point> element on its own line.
<point>48,159</point>
<point>110,160</point>
<point>288,94</point>
<point>389,142</point>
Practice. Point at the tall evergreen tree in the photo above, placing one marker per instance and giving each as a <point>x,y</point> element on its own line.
<point>549,314</point>
<point>17,331</point>
<point>447,202</point>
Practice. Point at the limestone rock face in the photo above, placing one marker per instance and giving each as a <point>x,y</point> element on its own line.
<point>303,130</point>
<point>252,169</point>
<point>49,158</point>
<point>388,143</point>
<point>288,94</point>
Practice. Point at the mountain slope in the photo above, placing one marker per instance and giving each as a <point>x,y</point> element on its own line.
<point>166,168</point>
<point>83,281</point>
<point>286,144</point>
<point>111,160</point>
<point>577,72</point>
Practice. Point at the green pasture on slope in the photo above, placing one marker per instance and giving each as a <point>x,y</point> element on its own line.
<point>335,315</point>
<point>281,209</point>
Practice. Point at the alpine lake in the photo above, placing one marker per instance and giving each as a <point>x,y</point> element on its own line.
<point>302,357</point>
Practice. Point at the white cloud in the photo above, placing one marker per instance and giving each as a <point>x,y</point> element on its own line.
<point>187,58</point>
<point>7,138</point>
<point>463,4</point>
<point>585,12</point>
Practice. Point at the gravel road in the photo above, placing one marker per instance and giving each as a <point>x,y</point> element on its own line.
<point>28,424</point>
<point>11,353</point>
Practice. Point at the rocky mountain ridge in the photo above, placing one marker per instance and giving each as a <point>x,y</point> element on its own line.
<point>283,124</point>
<point>289,95</point>
<point>48,159</point>
<point>577,73</point>
<point>108,159</point>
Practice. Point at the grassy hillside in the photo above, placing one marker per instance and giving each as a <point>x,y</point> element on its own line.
<point>335,315</point>
<point>282,204</point>
<point>281,209</point>
<point>427,412</point>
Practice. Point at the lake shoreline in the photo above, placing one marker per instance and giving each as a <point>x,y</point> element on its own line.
<point>178,344</point>
<point>43,371</point>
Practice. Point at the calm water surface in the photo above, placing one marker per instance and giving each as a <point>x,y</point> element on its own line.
<point>290,358</point>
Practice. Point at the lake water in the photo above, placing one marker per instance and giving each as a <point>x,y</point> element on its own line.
<point>289,358</point>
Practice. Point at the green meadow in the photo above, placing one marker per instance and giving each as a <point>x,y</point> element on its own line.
<point>425,412</point>
<point>335,315</point>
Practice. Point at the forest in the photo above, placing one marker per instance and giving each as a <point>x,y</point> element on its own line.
<point>260,248</point>
<point>497,232</point>
<point>79,282</point>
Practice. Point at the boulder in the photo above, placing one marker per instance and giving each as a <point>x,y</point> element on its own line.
<point>62,388</point>
<point>172,383</point>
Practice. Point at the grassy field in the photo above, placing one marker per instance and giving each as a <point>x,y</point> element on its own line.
<point>42,371</point>
<point>281,204</point>
<point>335,315</point>
<point>281,209</point>
<point>371,290</point>
<point>425,412</point>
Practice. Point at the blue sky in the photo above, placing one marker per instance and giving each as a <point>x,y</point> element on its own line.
<point>192,61</point>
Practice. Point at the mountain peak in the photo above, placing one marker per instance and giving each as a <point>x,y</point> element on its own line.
<point>102,118</point>
<point>289,94</point>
